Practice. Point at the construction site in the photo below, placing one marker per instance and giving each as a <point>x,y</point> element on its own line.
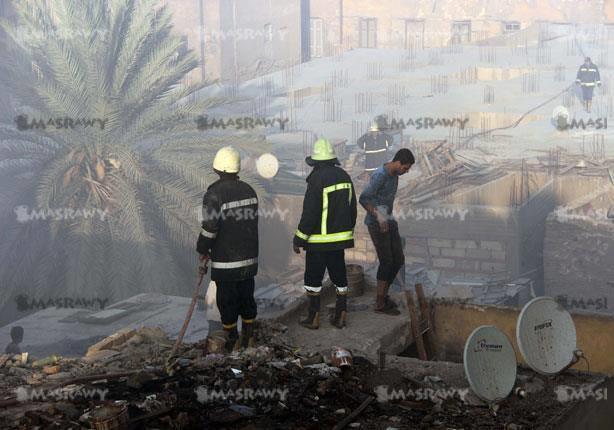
<point>506,221</point>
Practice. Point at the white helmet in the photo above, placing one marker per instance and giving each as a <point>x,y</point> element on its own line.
<point>227,160</point>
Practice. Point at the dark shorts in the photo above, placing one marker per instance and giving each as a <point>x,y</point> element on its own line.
<point>587,92</point>
<point>317,262</point>
<point>389,248</point>
<point>234,299</point>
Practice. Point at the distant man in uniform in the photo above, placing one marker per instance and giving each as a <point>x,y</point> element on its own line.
<point>587,78</point>
<point>375,144</point>
<point>229,238</point>
<point>378,200</point>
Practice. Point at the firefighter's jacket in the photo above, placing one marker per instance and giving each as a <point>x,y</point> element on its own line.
<point>329,210</point>
<point>376,149</point>
<point>588,76</point>
<point>229,233</point>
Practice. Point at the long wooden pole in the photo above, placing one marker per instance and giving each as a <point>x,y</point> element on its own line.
<point>415,325</point>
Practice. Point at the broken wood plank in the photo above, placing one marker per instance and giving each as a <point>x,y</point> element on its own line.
<point>415,327</point>
<point>347,420</point>
<point>425,310</point>
<point>102,376</point>
<point>428,163</point>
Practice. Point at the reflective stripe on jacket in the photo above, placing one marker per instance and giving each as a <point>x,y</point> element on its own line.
<point>329,210</point>
<point>588,76</point>
<point>229,233</point>
<point>376,149</point>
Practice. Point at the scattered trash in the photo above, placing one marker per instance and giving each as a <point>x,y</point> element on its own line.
<point>52,359</point>
<point>341,357</point>
<point>113,416</point>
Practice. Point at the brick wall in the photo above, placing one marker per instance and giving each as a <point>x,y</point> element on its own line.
<point>458,256</point>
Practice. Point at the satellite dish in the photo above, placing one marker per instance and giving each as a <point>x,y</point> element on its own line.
<point>546,336</point>
<point>490,363</point>
<point>267,165</point>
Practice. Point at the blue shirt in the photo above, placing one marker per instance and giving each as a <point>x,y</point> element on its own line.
<point>380,192</point>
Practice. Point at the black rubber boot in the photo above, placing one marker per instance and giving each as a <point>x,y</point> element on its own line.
<point>247,335</point>
<point>232,338</point>
<point>340,317</point>
<point>313,318</point>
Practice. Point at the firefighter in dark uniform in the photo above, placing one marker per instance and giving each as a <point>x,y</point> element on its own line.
<point>229,238</point>
<point>325,230</point>
<point>375,143</point>
<point>588,77</point>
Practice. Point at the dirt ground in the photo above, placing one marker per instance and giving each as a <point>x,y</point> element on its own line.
<point>288,390</point>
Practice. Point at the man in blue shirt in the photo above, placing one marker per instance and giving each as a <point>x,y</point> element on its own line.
<point>378,200</point>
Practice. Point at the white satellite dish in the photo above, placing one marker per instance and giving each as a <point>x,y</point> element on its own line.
<point>546,336</point>
<point>267,165</point>
<point>490,363</point>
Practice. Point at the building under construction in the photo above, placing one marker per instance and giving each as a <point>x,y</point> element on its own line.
<point>511,198</point>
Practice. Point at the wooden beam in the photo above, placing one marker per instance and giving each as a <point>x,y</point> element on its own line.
<point>415,325</point>
<point>425,310</point>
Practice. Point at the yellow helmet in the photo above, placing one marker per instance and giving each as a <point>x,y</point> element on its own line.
<point>322,151</point>
<point>227,160</point>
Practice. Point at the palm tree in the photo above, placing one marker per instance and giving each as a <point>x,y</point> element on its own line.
<point>148,167</point>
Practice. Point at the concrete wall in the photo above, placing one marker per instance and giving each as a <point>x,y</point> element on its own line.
<point>234,35</point>
<point>453,323</point>
<point>579,254</point>
<point>501,232</point>
<point>247,53</point>
<point>436,18</point>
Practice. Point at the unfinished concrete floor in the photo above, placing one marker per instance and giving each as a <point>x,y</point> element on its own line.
<point>366,333</point>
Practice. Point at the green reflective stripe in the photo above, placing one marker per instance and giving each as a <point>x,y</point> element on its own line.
<point>333,237</point>
<point>301,235</point>
<point>325,192</point>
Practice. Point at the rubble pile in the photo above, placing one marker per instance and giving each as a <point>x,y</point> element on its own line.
<point>443,172</point>
<point>271,386</point>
